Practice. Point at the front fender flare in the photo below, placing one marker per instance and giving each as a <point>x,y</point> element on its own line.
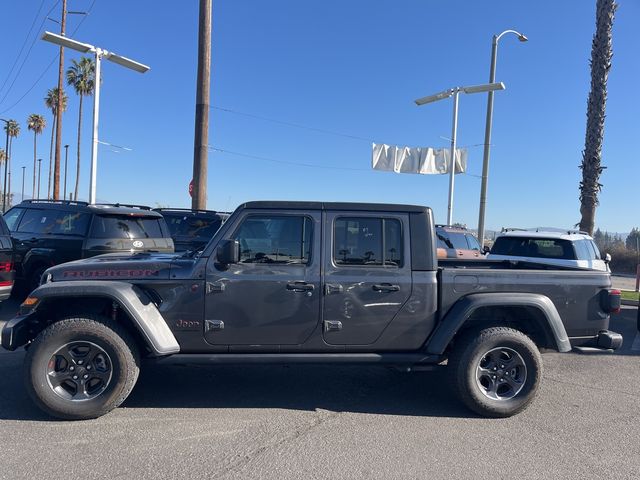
<point>146,317</point>
<point>465,307</point>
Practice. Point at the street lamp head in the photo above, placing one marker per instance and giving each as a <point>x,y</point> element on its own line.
<point>523,38</point>
<point>67,42</point>
<point>434,98</point>
<point>487,87</point>
<point>520,36</point>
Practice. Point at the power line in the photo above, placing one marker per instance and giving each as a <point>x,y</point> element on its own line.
<point>27,55</point>
<point>55,59</point>
<point>298,164</point>
<point>315,129</point>
<point>15,62</point>
<point>285,162</point>
<point>291,124</point>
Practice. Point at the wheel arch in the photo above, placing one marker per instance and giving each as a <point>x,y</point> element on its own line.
<point>532,314</point>
<point>124,302</point>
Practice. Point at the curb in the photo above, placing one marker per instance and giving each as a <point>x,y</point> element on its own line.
<point>630,302</point>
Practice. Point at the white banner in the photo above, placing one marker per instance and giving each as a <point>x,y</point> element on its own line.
<point>422,160</point>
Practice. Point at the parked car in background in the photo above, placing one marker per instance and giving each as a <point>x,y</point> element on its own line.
<point>192,229</point>
<point>7,271</point>
<point>457,242</point>
<point>569,249</point>
<point>47,232</point>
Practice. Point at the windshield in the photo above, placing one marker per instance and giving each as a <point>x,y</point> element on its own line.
<point>121,226</point>
<point>192,227</point>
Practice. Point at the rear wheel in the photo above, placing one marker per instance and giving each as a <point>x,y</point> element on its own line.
<point>496,372</point>
<point>80,368</point>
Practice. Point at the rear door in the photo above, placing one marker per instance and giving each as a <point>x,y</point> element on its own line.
<point>367,274</point>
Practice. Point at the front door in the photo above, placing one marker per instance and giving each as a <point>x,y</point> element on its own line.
<point>272,297</point>
<point>367,275</point>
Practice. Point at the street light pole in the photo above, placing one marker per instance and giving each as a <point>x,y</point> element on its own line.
<point>454,92</point>
<point>39,165</point>
<point>22,194</point>
<point>66,156</point>
<point>452,173</point>
<point>99,55</point>
<point>487,132</point>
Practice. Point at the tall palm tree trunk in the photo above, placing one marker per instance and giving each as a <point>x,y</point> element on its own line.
<point>601,53</point>
<point>75,195</point>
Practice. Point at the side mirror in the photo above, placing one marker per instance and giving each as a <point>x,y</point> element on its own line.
<point>228,252</point>
<point>485,249</point>
<point>607,258</point>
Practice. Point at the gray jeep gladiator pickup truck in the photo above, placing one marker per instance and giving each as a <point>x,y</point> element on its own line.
<point>285,282</point>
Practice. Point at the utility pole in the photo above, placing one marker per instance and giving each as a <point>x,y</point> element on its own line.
<point>201,138</point>
<point>22,195</point>
<point>66,156</point>
<point>56,164</point>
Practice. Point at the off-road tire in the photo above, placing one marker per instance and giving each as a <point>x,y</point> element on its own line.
<point>108,336</point>
<point>472,348</point>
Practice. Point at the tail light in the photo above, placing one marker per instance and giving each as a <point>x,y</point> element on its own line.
<point>612,301</point>
<point>6,267</point>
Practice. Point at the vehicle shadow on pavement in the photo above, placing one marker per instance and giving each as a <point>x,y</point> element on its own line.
<point>364,389</point>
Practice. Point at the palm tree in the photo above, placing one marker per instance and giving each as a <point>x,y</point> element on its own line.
<point>13,130</point>
<point>51,101</point>
<point>81,76</point>
<point>36,124</point>
<point>601,53</point>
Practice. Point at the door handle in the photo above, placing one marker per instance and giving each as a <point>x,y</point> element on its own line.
<point>386,287</point>
<point>300,286</point>
<point>332,325</point>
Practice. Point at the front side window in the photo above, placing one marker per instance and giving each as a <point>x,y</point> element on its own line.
<point>367,241</point>
<point>275,239</point>
<point>122,226</point>
<point>473,243</point>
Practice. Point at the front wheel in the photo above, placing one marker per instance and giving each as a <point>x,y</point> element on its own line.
<point>496,372</point>
<point>81,368</point>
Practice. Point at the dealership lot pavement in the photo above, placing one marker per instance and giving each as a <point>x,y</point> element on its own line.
<point>334,422</point>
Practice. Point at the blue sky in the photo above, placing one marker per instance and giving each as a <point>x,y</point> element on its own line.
<point>349,67</point>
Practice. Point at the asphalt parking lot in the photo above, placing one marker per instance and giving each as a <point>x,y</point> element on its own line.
<point>334,422</point>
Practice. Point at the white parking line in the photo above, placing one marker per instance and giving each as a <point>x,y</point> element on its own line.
<point>636,343</point>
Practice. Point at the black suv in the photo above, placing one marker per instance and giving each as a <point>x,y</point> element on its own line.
<point>48,232</point>
<point>192,229</point>
<point>6,261</point>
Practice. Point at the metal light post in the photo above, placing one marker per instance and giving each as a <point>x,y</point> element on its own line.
<point>488,87</point>
<point>99,55</point>
<point>39,165</point>
<point>487,132</point>
<point>66,156</point>
<point>22,194</point>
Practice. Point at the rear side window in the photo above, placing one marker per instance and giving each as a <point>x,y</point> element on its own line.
<point>585,250</point>
<point>54,222</point>
<point>473,243</point>
<point>534,247</point>
<point>11,218</point>
<point>122,226</point>
<point>275,239</point>
<point>192,227</point>
<point>453,240</point>
<point>367,241</point>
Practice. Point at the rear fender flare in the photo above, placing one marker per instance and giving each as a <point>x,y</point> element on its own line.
<point>458,315</point>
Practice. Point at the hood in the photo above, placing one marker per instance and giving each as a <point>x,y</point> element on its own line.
<point>116,266</point>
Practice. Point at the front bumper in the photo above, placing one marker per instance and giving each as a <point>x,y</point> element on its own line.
<point>16,332</point>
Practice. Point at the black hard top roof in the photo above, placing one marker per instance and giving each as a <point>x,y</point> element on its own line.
<point>188,211</point>
<point>364,207</point>
<point>100,209</point>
